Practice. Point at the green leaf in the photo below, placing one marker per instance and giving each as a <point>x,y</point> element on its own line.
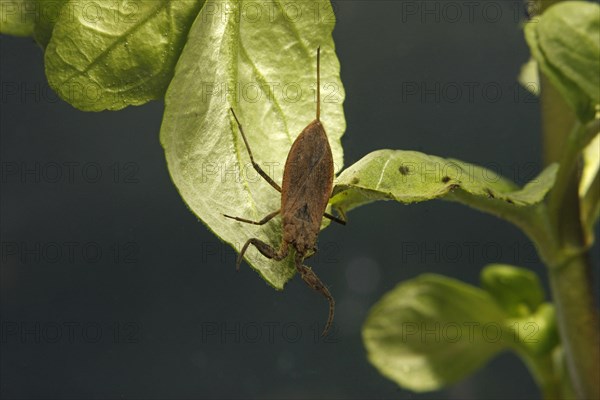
<point>107,54</point>
<point>432,331</point>
<point>410,176</point>
<point>589,188</point>
<point>17,17</point>
<point>264,66</point>
<point>33,17</point>
<point>517,290</point>
<point>535,334</point>
<point>520,293</point>
<point>537,343</point>
<point>564,41</point>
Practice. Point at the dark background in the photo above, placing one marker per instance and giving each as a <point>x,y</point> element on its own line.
<point>161,312</point>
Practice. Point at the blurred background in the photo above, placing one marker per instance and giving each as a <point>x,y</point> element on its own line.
<point>111,288</point>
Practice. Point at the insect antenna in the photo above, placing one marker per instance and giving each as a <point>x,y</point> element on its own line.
<point>318,83</point>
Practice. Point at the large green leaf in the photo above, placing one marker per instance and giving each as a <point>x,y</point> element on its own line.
<point>264,66</point>
<point>107,54</point>
<point>564,42</point>
<point>17,17</point>
<point>410,176</point>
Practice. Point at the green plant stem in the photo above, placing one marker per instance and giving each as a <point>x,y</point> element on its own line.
<point>578,324</point>
<point>579,138</point>
<point>544,374</point>
<point>569,264</point>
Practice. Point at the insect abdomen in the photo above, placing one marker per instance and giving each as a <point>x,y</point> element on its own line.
<point>307,183</point>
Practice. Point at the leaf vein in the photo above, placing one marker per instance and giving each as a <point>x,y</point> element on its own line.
<point>119,39</point>
<point>382,173</point>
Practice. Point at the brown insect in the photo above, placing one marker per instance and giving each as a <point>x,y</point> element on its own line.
<point>306,189</point>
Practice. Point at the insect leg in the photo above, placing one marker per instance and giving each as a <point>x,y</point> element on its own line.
<point>265,249</point>
<point>261,222</point>
<point>335,219</point>
<point>254,164</point>
<point>312,280</point>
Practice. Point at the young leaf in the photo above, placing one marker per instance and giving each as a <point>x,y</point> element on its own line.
<point>535,334</point>
<point>410,176</point>
<point>564,42</point>
<point>589,188</point>
<point>517,290</point>
<point>529,77</point>
<point>432,331</point>
<point>520,293</point>
<point>259,59</point>
<point>107,55</point>
<point>17,17</point>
